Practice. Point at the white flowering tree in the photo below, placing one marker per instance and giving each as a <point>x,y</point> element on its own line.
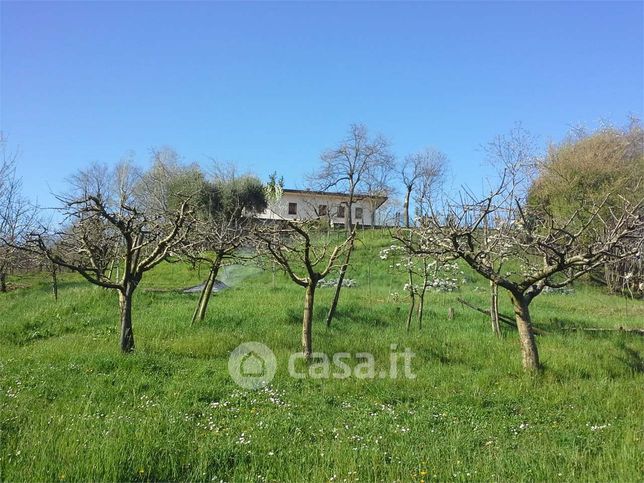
<point>423,272</point>
<point>541,250</point>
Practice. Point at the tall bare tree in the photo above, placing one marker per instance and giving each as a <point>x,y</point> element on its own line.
<point>17,215</point>
<point>105,224</point>
<point>358,161</point>
<point>306,257</point>
<point>421,174</point>
<point>167,177</point>
<point>513,154</point>
<point>379,186</point>
<point>349,166</point>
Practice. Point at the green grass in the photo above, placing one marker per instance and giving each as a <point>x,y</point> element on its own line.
<point>73,408</point>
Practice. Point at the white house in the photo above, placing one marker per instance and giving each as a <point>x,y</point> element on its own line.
<point>308,205</point>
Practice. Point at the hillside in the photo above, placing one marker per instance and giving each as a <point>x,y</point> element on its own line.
<point>170,410</point>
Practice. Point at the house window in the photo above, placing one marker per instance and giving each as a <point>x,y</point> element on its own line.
<point>322,210</point>
<point>341,211</point>
<point>358,213</point>
<point>292,208</point>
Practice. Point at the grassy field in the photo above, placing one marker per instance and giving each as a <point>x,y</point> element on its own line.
<point>73,408</point>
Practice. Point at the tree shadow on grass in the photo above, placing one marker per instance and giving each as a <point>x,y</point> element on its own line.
<point>360,317</point>
<point>630,357</point>
<point>44,286</point>
<point>63,284</point>
<point>434,354</point>
<point>580,325</point>
<point>344,316</point>
<point>293,315</point>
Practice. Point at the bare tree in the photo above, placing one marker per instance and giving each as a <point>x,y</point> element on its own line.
<point>349,166</point>
<point>549,252</point>
<point>156,190</point>
<point>389,213</point>
<point>379,188</point>
<point>494,288</point>
<point>224,225</point>
<point>17,215</point>
<point>423,270</point>
<point>421,174</point>
<point>306,257</point>
<point>514,154</point>
<point>105,224</point>
<point>355,164</point>
<point>215,243</point>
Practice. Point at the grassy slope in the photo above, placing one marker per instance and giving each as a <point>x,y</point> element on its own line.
<point>72,407</point>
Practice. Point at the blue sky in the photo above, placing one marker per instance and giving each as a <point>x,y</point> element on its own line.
<point>270,85</point>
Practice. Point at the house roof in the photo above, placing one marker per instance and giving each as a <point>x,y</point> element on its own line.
<point>338,194</point>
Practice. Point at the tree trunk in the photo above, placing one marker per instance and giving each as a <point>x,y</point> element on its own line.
<point>412,303</point>
<point>338,287</point>
<point>3,282</point>
<point>274,269</point>
<point>412,297</point>
<point>127,336</point>
<point>307,320</point>
<point>54,281</point>
<point>349,218</point>
<point>494,308</point>
<point>526,335</point>
<point>421,307</point>
<point>206,293</point>
<point>407,197</point>
<point>421,295</point>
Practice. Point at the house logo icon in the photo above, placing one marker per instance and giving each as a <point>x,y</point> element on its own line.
<point>252,365</point>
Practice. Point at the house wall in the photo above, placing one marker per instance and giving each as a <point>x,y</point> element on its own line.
<point>308,206</point>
